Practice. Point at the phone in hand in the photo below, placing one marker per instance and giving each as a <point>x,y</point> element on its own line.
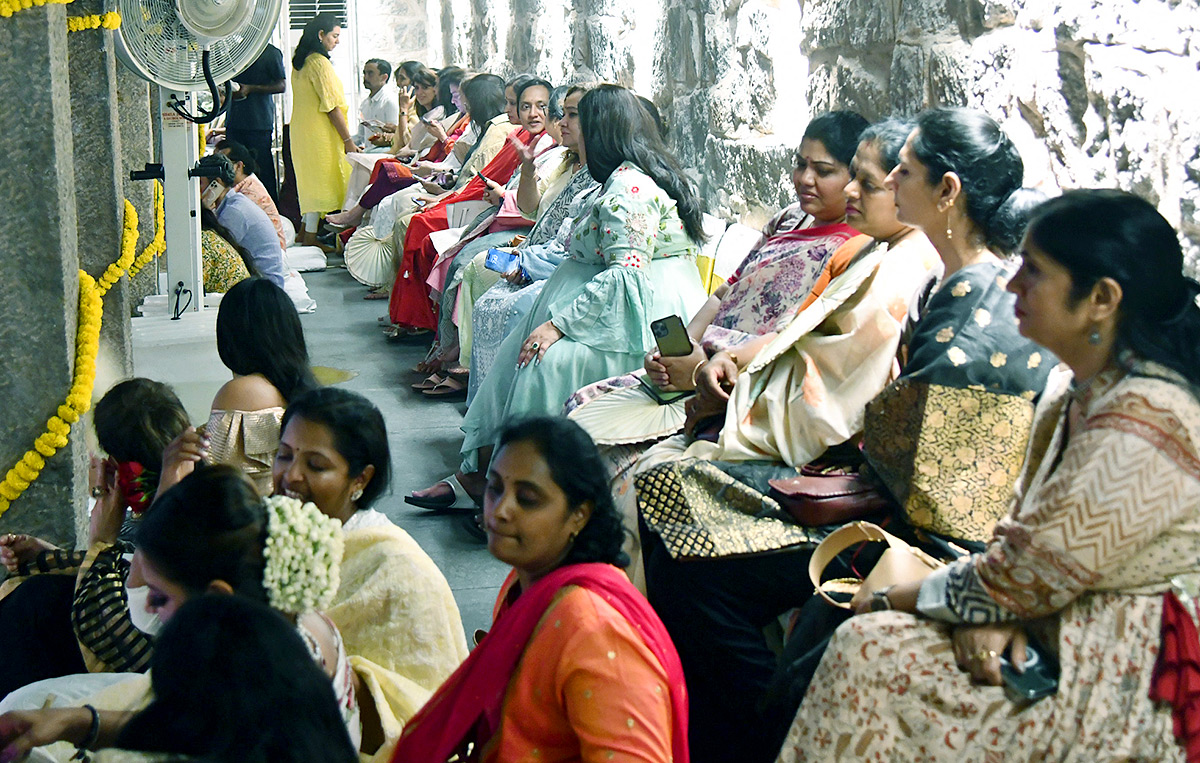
<point>671,336</point>
<point>420,202</point>
<point>500,261</point>
<point>1039,678</point>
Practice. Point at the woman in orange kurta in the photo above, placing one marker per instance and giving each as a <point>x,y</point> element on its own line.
<point>577,666</point>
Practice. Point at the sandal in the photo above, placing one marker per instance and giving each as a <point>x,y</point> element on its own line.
<point>459,500</point>
<point>430,382</point>
<point>377,295</point>
<point>448,388</point>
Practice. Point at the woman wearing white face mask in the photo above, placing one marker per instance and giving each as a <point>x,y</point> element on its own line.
<point>212,534</point>
<point>63,612</point>
<point>245,220</point>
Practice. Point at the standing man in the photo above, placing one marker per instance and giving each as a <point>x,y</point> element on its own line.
<point>251,117</point>
<point>380,107</point>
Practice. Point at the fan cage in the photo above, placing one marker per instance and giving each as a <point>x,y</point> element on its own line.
<point>154,43</point>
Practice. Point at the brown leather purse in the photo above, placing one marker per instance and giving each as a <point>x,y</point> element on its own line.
<point>823,496</point>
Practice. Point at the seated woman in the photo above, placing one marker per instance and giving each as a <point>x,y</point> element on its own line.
<point>575,654</point>
<point>213,534</point>
<point>56,621</point>
<point>259,339</point>
<point>436,107</point>
<point>721,559</point>
<point>428,116</point>
<point>394,608</point>
<point>249,225</point>
<point>490,307</point>
<point>246,182</point>
<point>532,209</point>
<point>1092,562</point>
<point>778,277</point>
<point>483,102</point>
<point>632,260</point>
<point>410,305</point>
<point>224,262</point>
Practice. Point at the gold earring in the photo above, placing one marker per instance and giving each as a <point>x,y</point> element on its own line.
<point>949,233</point>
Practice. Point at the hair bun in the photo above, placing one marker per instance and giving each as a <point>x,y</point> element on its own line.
<point>1007,226</point>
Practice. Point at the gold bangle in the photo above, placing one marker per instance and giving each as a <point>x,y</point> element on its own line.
<point>695,371</point>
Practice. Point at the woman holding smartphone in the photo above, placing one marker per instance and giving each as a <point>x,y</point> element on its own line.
<point>631,260</point>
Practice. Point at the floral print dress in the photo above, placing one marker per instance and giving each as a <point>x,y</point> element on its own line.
<point>629,262</point>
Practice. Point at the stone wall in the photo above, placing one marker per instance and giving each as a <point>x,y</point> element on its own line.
<point>59,214</point>
<point>1095,92</point>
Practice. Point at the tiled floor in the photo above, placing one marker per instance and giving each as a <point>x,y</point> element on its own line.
<point>344,333</point>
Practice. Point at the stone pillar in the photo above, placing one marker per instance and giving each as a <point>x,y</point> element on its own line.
<point>99,187</point>
<point>38,269</point>
<point>137,149</point>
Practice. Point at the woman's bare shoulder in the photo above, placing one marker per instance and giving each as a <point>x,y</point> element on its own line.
<point>248,393</point>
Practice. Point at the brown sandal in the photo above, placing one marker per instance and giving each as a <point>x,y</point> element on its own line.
<point>429,383</point>
<point>448,389</point>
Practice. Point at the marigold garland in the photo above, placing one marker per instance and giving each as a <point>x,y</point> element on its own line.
<point>79,399</point>
<point>110,20</point>
<point>9,7</point>
<point>158,244</point>
<point>87,346</point>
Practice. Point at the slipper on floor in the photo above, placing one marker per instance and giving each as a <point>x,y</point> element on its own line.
<point>430,382</point>
<point>459,501</point>
<point>377,295</point>
<point>447,389</point>
<point>459,372</point>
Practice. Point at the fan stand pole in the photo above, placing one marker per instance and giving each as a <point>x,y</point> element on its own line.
<point>181,196</point>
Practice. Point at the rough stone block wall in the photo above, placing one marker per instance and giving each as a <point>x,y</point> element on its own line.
<point>1095,92</point>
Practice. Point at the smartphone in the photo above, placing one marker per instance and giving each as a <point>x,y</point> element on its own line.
<point>420,202</point>
<point>1039,678</point>
<point>661,396</point>
<point>486,179</point>
<point>671,336</point>
<point>500,261</point>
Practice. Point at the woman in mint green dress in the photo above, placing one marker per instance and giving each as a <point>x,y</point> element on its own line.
<point>632,260</point>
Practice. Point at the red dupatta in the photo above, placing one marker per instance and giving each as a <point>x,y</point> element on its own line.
<point>467,707</point>
<point>500,169</point>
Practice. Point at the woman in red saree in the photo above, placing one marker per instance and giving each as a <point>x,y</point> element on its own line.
<point>410,305</point>
<point>577,666</point>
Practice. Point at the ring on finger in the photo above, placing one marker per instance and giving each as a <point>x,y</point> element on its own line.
<point>983,655</point>
<point>97,492</point>
<point>534,346</point>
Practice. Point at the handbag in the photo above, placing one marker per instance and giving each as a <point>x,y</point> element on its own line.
<point>900,562</point>
<point>829,497</point>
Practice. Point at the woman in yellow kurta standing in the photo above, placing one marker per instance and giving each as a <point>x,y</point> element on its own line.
<point>319,134</point>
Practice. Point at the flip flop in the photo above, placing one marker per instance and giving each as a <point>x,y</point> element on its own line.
<point>377,295</point>
<point>461,500</point>
<point>429,383</point>
<point>447,389</point>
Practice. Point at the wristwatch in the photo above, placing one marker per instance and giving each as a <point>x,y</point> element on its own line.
<point>879,601</point>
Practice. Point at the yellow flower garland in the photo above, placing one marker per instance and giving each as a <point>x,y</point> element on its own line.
<point>110,20</point>
<point>158,244</point>
<point>79,399</point>
<point>9,7</point>
<point>87,346</point>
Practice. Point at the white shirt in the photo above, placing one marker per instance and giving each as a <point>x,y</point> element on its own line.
<point>384,107</point>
